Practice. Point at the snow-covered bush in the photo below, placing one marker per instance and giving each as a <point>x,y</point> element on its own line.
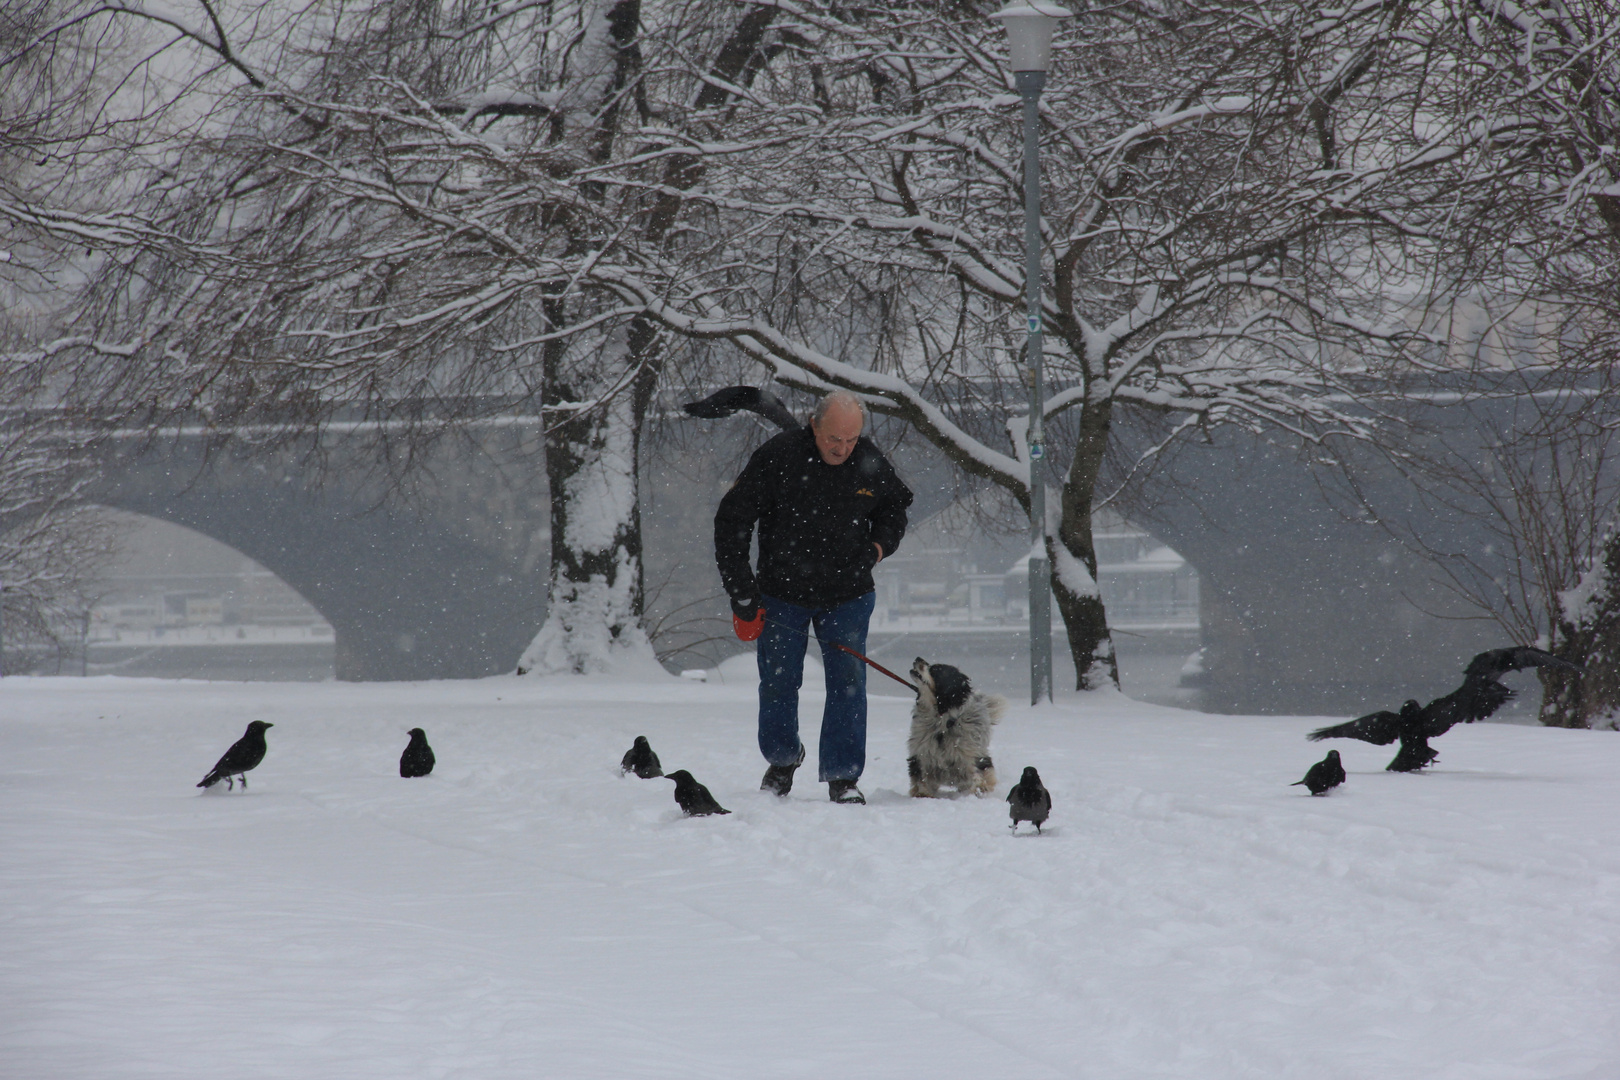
<point>1588,633</point>
<point>52,545</point>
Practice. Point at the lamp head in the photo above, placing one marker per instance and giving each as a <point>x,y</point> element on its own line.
<point>1029,26</point>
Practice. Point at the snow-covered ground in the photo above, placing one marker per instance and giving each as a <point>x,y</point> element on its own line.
<point>525,912</point>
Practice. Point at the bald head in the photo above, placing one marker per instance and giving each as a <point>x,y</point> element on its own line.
<point>837,423</point>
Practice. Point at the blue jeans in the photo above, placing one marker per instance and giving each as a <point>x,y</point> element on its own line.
<point>781,671</point>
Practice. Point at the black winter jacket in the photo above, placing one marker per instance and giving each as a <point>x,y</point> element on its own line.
<point>817,523</point>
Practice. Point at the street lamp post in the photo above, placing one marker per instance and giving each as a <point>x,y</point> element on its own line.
<point>1029,29</point>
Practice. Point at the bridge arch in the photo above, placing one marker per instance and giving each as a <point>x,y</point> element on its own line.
<point>409,594</point>
<point>1306,604</point>
<point>175,603</point>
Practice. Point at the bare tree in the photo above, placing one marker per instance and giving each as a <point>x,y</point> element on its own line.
<point>1553,69</point>
<point>55,144</point>
<point>1519,493</point>
<point>1531,466</point>
<point>423,203</point>
<point>52,544</point>
<point>390,219</point>
<point>1537,472</point>
<point>1234,191</point>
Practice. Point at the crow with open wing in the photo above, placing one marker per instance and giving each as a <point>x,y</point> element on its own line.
<point>1480,695</point>
<point>749,399</point>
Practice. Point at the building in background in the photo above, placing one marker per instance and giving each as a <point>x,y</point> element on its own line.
<point>177,604</point>
<point>941,578</point>
<point>958,589</point>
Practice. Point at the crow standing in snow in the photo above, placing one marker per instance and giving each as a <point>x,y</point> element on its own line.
<point>417,760</point>
<point>1029,799</point>
<point>245,753</point>
<point>693,797</point>
<point>1480,695</point>
<point>641,760</point>
<point>1324,776</point>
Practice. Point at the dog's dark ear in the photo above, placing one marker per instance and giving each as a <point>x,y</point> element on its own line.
<point>951,687</point>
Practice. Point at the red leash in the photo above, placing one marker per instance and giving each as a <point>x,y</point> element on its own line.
<point>907,683</point>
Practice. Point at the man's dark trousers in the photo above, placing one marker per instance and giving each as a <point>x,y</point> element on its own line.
<point>781,671</point>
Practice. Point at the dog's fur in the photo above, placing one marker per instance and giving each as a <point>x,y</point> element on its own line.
<point>950,733</point>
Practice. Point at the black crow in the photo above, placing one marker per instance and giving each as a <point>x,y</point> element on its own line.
<point>693,797</point>
<point>1479,696</point>
<point>1029,799</point>
<point>417,760</point>
<point>1324,776</point>
<point>641,760</point>
<point>725,402</point>
<point>245,753</point>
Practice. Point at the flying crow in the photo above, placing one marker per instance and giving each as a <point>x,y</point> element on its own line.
<point>417,760</point>
<point>641,760</point>
<point>1029,799</point>
<point>725,402</point>
<point>245,753</point>
<point>1324,776</point>
<point>692,796</point>
<point>1480,694</point>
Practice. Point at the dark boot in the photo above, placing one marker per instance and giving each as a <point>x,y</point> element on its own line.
<point>779,778</point>
<point>845,791</point>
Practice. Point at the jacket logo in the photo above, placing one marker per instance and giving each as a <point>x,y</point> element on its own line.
<point>863,491</point>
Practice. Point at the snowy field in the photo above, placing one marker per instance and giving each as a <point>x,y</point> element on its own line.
<point>525,912</point>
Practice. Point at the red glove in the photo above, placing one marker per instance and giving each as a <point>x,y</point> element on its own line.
<point>749,629</point>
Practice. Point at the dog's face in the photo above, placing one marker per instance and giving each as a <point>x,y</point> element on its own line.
<point>945,684</point>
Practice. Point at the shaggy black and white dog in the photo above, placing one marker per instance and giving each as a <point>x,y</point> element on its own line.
<point>950,733</point>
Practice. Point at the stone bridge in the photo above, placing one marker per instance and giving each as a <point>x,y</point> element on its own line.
<point>1306,606</point>
<point>1306,603</point>
<point>441,577</point>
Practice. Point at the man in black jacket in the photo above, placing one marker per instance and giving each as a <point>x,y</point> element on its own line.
<point>829,507</point>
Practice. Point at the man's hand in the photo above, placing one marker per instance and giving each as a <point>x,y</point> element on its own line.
<point>880,551</point>
<point>749,629</point>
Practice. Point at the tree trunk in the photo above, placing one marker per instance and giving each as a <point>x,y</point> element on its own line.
<point>1073,555</point>
<point>594,405</point>
<point>593,620</point>
<point>593,459</point>
<point>1588,634</point>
